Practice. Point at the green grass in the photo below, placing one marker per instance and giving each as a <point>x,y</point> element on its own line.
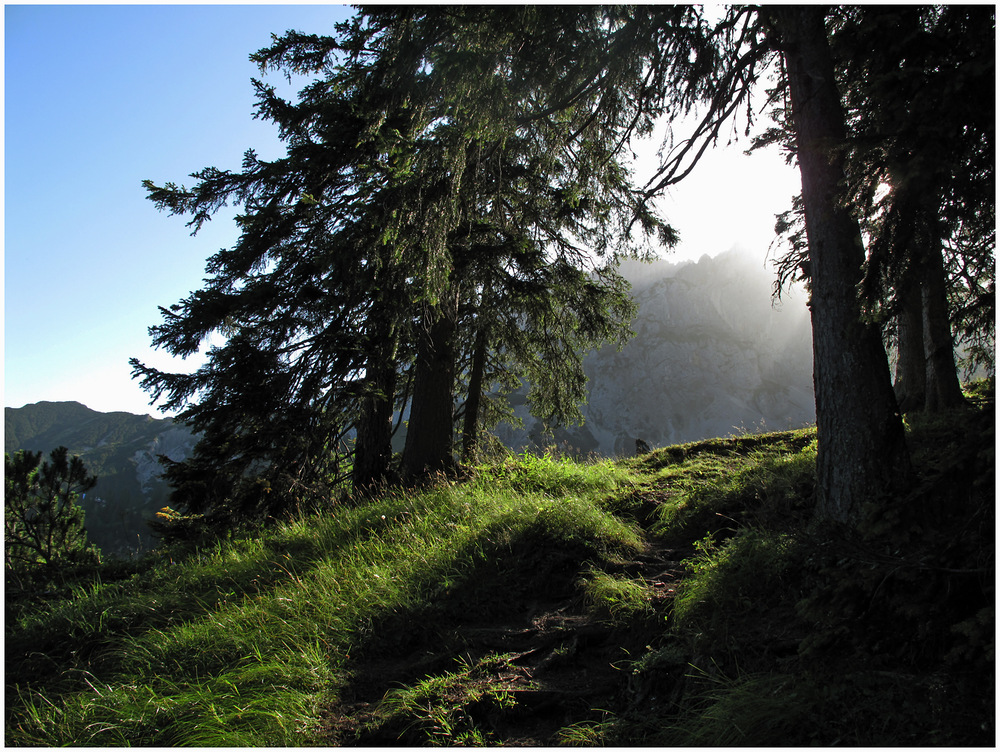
<point>733,581</point>
<point>796,635</point>
<point>444,710</point>
<point>239,645</point>
<point>780,632</point>
<point>613,597</point>
<point>722,484</point>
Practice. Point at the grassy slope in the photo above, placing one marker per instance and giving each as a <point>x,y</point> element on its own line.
<point>467,613</point>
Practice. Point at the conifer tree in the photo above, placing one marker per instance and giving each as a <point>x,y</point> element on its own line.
<point>43,523</point>
<point>341,299</point>
<point>862,452</point>
<point>921,168</point>
<point>919,175</point>
<point>373,253</point>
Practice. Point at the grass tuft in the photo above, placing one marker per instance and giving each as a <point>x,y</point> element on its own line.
<point>447,709</point>
<point>615,598</point>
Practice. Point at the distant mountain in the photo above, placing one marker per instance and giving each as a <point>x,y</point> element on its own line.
<point>711,356</point>
<point>120,448</point>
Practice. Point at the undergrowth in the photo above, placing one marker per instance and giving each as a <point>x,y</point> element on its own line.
<point>880,637</point>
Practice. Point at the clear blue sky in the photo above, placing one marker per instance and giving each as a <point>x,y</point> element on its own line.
<point>98,98</point>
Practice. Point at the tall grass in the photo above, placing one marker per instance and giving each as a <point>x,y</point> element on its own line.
<point>240,645</point>
<point>722,486</point>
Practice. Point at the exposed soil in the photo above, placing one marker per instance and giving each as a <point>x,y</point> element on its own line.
<point>562,664</point>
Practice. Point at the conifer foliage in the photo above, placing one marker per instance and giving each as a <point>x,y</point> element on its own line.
<point>455,195</point>
<point>921,170</point>
<point>444,200</point>
<point>43,523</point>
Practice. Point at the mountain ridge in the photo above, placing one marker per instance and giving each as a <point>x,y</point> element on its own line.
<point>120,448</point>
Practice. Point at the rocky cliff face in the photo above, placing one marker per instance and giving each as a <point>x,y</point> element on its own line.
<point>710,357</point>
<point>175,443</point>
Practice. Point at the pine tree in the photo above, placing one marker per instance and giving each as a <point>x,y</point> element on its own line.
<point>43,523</point>
<point>862,452</point>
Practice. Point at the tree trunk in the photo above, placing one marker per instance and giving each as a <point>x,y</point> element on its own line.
<point>470,428</point>
<point>911,369</point>
<point>943,388</point>
<point>429,444</point>
<point>373,446</point>
<point>862,451</point>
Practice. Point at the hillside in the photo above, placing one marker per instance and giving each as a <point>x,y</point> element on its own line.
<point>679,598</point>
<point>120,448</point>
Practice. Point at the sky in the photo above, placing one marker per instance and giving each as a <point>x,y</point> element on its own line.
<point>98,98</point>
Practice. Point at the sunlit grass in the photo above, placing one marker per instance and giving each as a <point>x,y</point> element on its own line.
<point>238,644</point>
<point>615,597</point>
<point>438,710</point>
<point>720,487</point>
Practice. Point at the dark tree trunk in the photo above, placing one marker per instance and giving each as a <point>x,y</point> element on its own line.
<point>470,428</point>
<point>862,451</point>
<point>430,432</point>
<point>373,446</point>
<point>943,388</point>
<point>911,370</point>
<point>926,373</point>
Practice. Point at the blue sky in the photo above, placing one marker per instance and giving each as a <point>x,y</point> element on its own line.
<point>98,98</point>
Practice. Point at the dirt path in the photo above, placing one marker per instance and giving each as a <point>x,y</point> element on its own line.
<point>559,663</point>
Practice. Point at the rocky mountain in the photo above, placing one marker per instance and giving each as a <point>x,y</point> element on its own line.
<point>120,448</point>
<point>711,356</point>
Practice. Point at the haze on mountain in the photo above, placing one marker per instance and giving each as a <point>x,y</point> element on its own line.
<point>712,355</point>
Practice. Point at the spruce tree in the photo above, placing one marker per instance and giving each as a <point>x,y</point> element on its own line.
<point>341,299</point>
<point>921,169</point>
<point>919,176</point>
